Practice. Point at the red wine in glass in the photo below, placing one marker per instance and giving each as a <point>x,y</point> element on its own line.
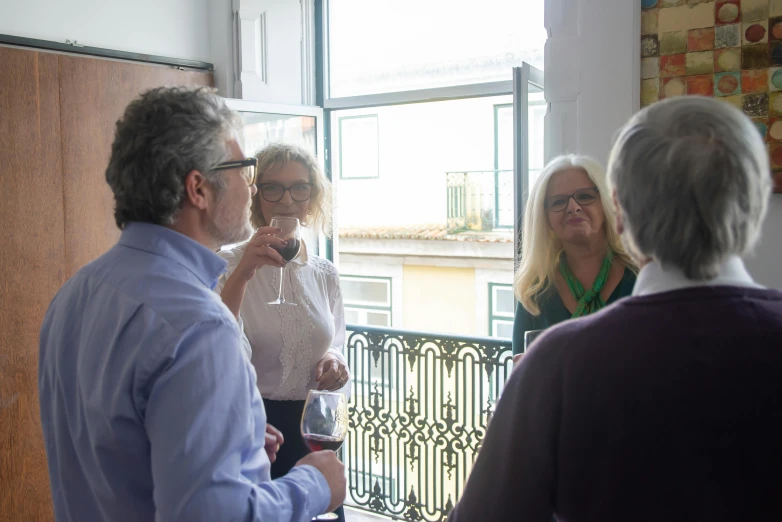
<point>322,442</point>
<point>290,250</point>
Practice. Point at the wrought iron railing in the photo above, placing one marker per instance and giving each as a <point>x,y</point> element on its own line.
<point>418,414</point>
<point>479,200</point>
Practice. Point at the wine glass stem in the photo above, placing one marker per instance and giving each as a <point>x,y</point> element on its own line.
<point>282,280</point>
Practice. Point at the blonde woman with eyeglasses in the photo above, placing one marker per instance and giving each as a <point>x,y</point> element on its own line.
<point>294,349</point>
<point>572,261</point>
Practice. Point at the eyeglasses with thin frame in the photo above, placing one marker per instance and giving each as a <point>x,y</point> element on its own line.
<point>272,192</point>
<point>583,197</point>
<point>249,168</point>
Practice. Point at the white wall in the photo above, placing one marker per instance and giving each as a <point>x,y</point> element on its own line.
<point>765,264</point>
<point>592,68</point>
<point>172,28</point>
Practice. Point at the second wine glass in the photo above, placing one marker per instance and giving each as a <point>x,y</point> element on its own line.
<point>290,231</point>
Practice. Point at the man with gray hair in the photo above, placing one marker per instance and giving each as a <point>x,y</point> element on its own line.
<point>149,408</point>
<point>666,406</point>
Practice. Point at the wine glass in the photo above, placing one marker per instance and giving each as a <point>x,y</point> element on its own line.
<point>324,424</point>
<point>290,231</point>
<point>529,337</point>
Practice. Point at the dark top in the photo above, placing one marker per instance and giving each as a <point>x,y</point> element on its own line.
<point>553,311</point>
<point>661,408</point>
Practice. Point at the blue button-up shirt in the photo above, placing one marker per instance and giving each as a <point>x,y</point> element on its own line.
<point>149,408</point>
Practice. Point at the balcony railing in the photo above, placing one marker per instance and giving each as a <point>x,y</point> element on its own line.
<point>421,403</point>
<point>479,200</point>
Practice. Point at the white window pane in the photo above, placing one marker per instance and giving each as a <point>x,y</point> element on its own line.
<point>503,329</point>
<point>395,45</point>
<point>358,143</point>
<point>365,291</point>
<point>503,300</point>
<point>351,316</point>
<point>375,318</point>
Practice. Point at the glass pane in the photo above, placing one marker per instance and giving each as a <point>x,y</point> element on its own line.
<point>358,138</point>
<point>261,129</point>
<point>375,318</point>
<point>432,218</point>
<point>503,300</point>
<point>365,291</point>
<point>503,329</point>
<point>351,316</point>
<point>504,131</point>
<point>395,45</point>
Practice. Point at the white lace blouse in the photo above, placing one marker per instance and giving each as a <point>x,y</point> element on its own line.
<point>285,343</point>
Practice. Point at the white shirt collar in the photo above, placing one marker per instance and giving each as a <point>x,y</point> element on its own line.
<point>654,279</point>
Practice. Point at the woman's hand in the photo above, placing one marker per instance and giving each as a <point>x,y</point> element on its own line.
<point>331,374</point>
<point>517,358</point>
<point>274,440</point>
<point>259,252</point>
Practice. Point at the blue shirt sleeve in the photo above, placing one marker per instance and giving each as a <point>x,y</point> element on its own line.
<point>205,423</point>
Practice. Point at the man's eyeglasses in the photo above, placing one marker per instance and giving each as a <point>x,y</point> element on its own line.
<point>584,197</point>
<point>273,192</point>
<point>249,168</point>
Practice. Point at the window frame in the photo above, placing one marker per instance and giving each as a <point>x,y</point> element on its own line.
<point>501,316</point>
<point>361,306</point>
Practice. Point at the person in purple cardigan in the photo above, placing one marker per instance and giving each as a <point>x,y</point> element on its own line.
<point>667,405</point>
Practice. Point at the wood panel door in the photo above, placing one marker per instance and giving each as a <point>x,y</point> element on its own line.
<point>57,118</point>
<point>32,268</point>
<point>93,96</point>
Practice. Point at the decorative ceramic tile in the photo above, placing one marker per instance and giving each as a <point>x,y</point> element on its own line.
<point>673,87</point>
<point>755,56</point>
<point>650,68</point>
<point>755,105</point>
<point>775,103</point>
<point>727,84</point>
<point>686,17</point>
<point>727,36</point>
<point>649,21</point>
<point>650,91</point>
<point>754,10</point>
<point>754,81</point>
<point>700,63</point>
<point>648,4</point>
<point>701,85</point>
<point>727,12</point>
<point>650,46</point>
<point>673,43</point>
<point>775,29</point>
<point>726,60</point>
<point>754,32</point>
<point>775,8</point>
<point>673,65</point>
<point>775,79</point>
<point>775,129</point>
<point>700,40</point>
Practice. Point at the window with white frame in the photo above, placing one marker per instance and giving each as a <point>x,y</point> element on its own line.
<point>358,147</point>
<point>367,300</point>
<point>501,310</point>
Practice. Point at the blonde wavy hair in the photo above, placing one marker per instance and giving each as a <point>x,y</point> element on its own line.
<point>278,154</point>
<point>540,248</point>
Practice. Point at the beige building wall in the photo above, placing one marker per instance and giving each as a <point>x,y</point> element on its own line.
<point>453,289</point>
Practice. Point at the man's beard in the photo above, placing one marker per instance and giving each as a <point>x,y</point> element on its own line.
<point>231,224</point>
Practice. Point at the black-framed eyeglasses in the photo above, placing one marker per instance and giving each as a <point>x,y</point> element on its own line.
<point>584,197</point>
<point>272,192</point>
<point>249,168</point>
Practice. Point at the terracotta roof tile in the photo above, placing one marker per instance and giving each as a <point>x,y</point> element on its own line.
<point>425,232</point>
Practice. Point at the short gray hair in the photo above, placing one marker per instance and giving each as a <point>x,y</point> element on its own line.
<point>163,135</point>
<point>692,179</point>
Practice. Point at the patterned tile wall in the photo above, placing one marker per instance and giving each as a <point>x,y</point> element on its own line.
<point>728,49</point>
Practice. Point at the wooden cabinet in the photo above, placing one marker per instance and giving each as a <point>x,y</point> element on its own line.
<point>57,118</point>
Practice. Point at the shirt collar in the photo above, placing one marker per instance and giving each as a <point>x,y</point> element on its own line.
<point>206,265</point>
<point>654,279</point>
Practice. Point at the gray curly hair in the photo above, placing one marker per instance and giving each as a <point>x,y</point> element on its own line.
<point>164,134</point>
